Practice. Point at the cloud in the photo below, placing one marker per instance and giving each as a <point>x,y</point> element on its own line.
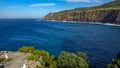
<point>81,0</point>
<point>42,5</point>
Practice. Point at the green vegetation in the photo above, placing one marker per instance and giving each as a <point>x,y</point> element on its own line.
<point>2,59</point>
<point>115,62</point>
<point>112,4</point>
<point>115,3</point>
<point>71,60</point>
<point>36,54</point>
<point>65,60</point>
<point>26,49</point>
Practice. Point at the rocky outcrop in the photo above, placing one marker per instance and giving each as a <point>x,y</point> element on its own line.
<point>16,60</point>
<point>103,15</point>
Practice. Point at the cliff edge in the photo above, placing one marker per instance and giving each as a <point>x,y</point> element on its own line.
<point>106,13</point>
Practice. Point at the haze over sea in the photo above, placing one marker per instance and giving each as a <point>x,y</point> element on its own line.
<point>100,42</point>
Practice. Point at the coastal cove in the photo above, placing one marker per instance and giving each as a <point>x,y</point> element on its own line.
<point>99,42</point>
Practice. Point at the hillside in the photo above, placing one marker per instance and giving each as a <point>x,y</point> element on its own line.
<point>112,4</point>
<point>106,13</point>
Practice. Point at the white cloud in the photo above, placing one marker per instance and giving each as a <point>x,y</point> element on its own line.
<point>42,5</point>
<point>81,0</point>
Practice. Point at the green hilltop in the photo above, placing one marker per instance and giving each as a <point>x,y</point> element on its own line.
<point>115,3</point>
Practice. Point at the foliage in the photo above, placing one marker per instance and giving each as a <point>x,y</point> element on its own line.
<point>36,54</point>
<point>2,59</point>
<point>46,60</point>
<point>115,62</point>
<point>42,56</point>
<point>71,60</point>
<point>26,49</point>
<point>65,60</point>
<point>33,57</point>
<point>115,3</point>
<point>49,62</point>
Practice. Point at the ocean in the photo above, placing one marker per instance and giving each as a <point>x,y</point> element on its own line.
<point>101,43</point>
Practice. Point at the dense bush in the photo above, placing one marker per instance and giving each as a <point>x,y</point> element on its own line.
<point>65,60</point>
<point>33,57</point>
<point>42,56</point>
<point>115,62</point>
<point>26,49</point>
<point>2,59</point>
<point>36,54</point>
<point>49,62</point>
<point>71,60</point>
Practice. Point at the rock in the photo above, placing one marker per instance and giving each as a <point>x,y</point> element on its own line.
<point>16,60</point>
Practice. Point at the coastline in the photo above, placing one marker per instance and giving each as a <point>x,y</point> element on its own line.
<point>96,23</point>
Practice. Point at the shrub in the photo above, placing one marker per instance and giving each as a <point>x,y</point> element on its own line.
<point>36,54</point>
<point>64,60</point>
<point>33,57</point>
<point>43,53</point>
<point>71,60</point>
<point>27,49</point>
<point>2,59</point>
<point>49,62</point>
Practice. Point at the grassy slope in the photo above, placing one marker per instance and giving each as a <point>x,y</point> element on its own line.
<point>113,4</point>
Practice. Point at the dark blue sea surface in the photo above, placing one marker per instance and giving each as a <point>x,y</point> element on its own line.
<point>100,42</point>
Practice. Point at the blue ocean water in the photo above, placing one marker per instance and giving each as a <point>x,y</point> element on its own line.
<point>100,42</point>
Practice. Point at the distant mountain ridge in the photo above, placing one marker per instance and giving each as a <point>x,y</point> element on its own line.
<point>106,13</point>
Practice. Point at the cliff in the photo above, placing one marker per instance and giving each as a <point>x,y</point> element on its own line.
<point>106,13</point>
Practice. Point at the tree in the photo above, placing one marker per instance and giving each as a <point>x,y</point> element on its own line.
<point>71,60</point>
<point>64,60</point>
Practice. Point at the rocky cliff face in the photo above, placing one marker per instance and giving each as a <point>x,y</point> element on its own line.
<point>103,15</point>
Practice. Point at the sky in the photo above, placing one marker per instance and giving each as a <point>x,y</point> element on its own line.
<point>40,8</point>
